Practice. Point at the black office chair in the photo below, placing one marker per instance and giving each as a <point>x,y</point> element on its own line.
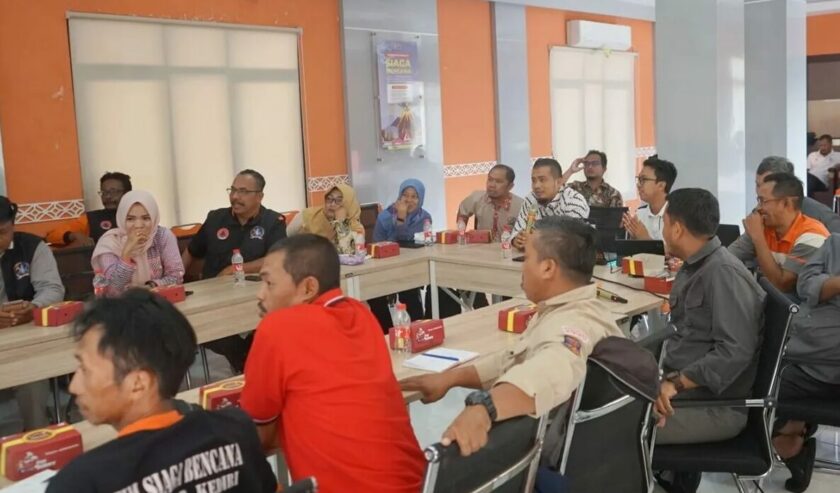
<point>728,233</point>
<point>507,464</point>
<point>607,432</point>
<point>750,454</point>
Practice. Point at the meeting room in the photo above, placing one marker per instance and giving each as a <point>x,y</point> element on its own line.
<point>419,246</point>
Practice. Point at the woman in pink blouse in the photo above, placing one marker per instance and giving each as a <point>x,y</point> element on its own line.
<point>138,252</point>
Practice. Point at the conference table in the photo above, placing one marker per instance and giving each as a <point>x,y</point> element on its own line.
<point>475,330</point>
<point>217,308</point>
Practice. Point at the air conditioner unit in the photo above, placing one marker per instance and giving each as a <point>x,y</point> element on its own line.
<point>588,34</point>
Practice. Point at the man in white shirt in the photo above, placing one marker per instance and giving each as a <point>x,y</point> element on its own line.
<point>820,162</point>
<point>549,197</point>
<point>653,184</point>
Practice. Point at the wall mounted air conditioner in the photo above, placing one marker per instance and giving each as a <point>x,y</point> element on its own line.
<point>588,34</point>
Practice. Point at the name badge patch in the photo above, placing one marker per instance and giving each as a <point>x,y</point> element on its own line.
<point>222,234</point>
<point>21,270</point>
<point>257,233</point>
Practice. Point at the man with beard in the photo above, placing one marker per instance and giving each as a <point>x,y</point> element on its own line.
<point>319,380</point>
<point>246,226</point>
<point>597,192</point>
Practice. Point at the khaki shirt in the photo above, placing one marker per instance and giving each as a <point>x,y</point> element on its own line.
<point>489,215</point>
<point>549,361</point>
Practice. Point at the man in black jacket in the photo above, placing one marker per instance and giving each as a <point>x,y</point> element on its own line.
<point>133,353</point>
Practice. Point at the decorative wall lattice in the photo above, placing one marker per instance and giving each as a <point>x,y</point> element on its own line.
<point>467,169</point>
<point>325,183</point>
<point>39,212</point>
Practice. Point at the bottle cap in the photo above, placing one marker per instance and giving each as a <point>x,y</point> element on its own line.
<point>235,250</point>
<point>400,306</point>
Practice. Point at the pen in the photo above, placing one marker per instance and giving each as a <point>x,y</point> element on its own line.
<point>603,293</point>
<point>440,356</point>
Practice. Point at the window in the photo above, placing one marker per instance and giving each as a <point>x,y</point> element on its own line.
<point>593,107</point>
<point>182,107</point>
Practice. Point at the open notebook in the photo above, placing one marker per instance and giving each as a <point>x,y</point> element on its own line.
<point>439,359</point>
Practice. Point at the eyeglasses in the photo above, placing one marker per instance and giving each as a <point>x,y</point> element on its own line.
<point>640,180</point>
<point>110,192</point>
<point>241,191</point>
<point>762,201</point>
<point>333,200</point>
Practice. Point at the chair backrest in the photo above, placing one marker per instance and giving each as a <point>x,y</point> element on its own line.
<point>75,271</point>
<point>606,442</point>
<point>507,463</point>
<point>728,233</point>
<point>370,212</point>
<point>778,312</point>
<point>289,216</point>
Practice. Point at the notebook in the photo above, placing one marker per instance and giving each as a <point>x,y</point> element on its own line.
<point>439,359</point>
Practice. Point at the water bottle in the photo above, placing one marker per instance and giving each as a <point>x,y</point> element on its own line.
<point>428,238</point>
<point>462,232</point>
<point>402,329</point>
<point>361,248</point>
<point>238,264</point>
<point>506,246</point>
<point>100,284</point>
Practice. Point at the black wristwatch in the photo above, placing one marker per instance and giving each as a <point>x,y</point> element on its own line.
<point>482,397</point>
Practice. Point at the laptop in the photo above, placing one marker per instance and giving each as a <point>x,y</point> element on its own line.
<point>607,223</point>
<point>626,248</point>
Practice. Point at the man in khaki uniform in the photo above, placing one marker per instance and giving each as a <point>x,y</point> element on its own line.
<point>549,362</point>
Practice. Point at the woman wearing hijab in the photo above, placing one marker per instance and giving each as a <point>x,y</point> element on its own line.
<point>337,220</point>
<point>138,252</point>
<point>399,222</point>
<point>405,217</point>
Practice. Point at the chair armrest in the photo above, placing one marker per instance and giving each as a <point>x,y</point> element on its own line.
<point>789,360</point>
<point>745,403</point>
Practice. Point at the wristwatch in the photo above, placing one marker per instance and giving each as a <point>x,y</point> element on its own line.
<point>674,378</point>
<point>482,397</point>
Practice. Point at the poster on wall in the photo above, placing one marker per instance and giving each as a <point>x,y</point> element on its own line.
<point>401,111</point>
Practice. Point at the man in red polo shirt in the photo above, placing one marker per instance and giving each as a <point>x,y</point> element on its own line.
<point>779,238</point>
<point>319,378</point>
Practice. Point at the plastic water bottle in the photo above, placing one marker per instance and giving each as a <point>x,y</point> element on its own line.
<point>100,284</point>
<point>402,329</point>
<point>506,246</point>
<point>238,264</point>
<point>462,232</point>
<point>361,248</point>
<point>428,238</point>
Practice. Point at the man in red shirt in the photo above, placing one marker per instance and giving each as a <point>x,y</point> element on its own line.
<point>319,381</point>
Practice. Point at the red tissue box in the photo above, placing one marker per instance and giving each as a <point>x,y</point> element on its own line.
<point>221,394</point>
<point>173,293</point>
<point>29,453</point>
<point>384,249</point>
<point>516,319</point>
<point>479,236</point>
<point>659,285</point>
<point>632,267</point>
<point>425,334</point>
<point>57,314</point>
<point>447,237</point>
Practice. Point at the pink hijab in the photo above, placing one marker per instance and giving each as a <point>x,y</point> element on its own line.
<point>115,239</point>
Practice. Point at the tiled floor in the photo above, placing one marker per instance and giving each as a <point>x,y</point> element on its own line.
<point>429,422</point>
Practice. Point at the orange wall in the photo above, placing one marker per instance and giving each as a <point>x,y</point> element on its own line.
<point>36,88</point>
<point>466,93</point>
<point>822,37</point>
<point>546,28</point>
